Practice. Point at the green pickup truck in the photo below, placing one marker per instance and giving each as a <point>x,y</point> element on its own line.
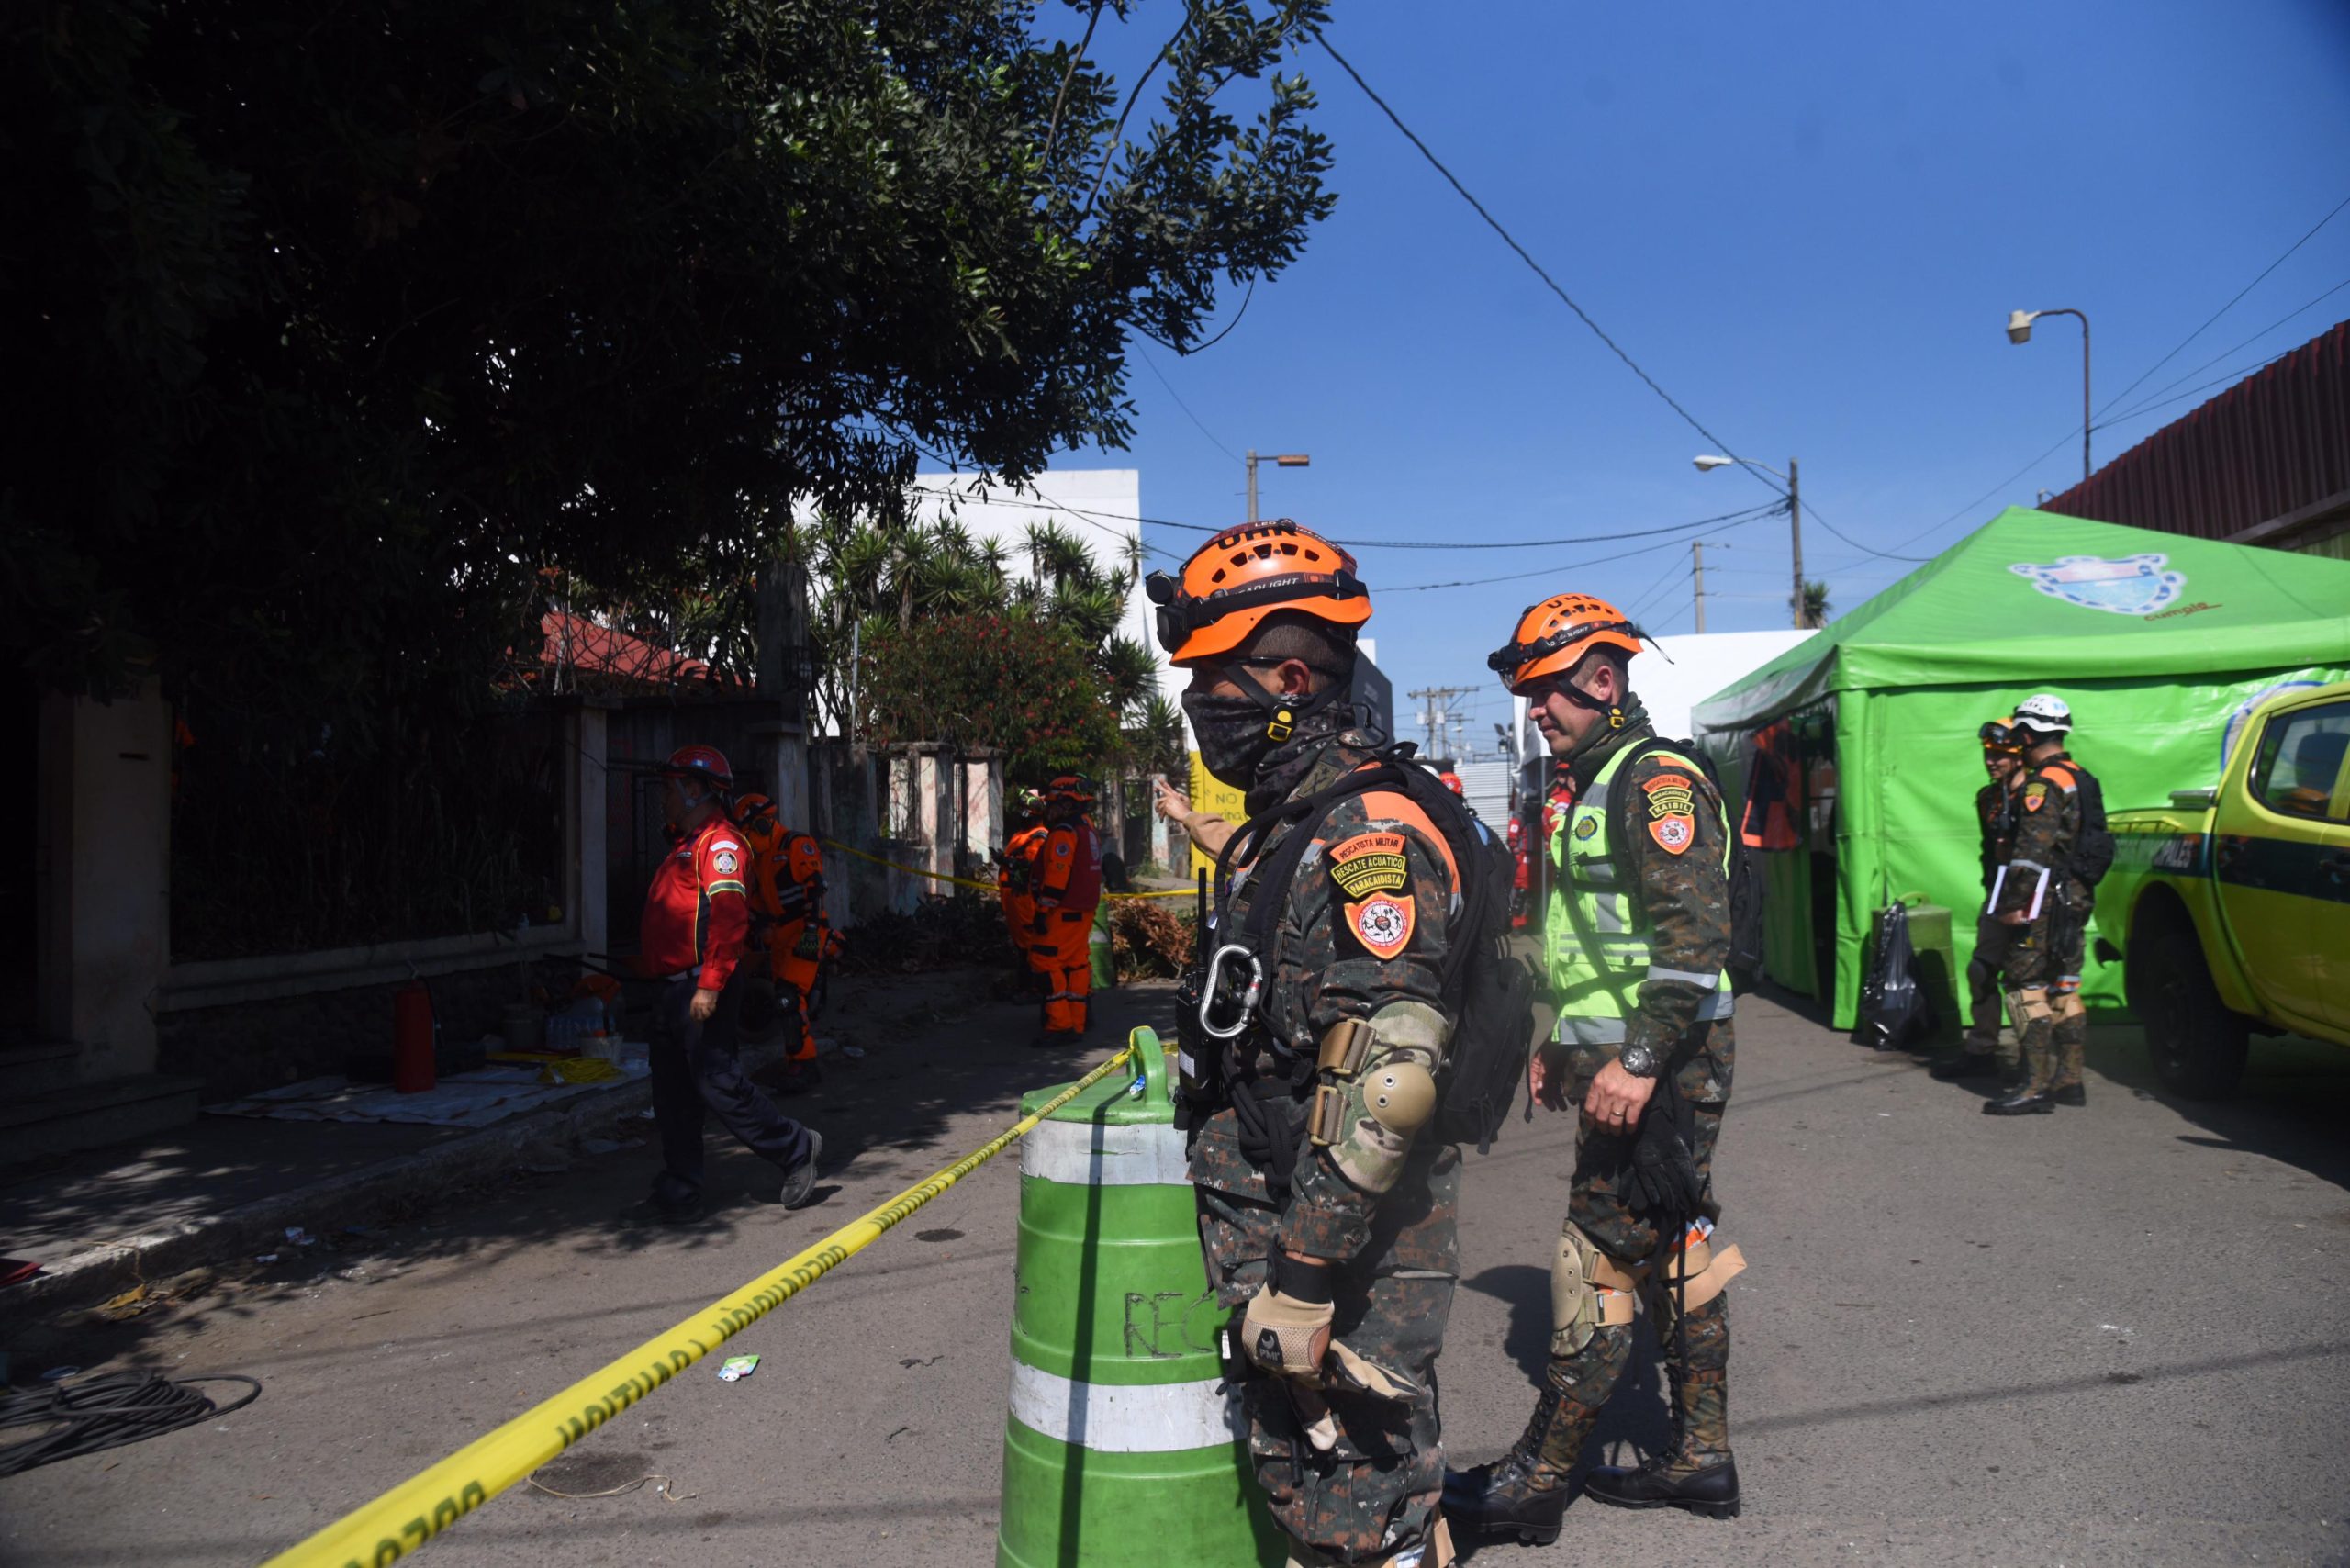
<point>2231,905</point>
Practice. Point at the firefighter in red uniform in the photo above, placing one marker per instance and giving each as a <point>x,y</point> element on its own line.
<point>787,888</point>
<point>1068,890</point>
<point>697,926</point>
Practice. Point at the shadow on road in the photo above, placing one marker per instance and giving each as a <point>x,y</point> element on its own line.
<point>2292,1105</point>
<point>937,1046</point>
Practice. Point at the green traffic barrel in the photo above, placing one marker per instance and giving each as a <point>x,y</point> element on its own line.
<point>1122,1447</point>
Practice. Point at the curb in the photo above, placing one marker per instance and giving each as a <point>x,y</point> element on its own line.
<point>107,1268</point>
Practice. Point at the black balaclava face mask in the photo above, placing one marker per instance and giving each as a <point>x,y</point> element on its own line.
<point>1235,732</point>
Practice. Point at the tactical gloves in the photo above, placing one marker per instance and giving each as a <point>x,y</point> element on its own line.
<point>1661,1178</point>
<point>1286,1332</point>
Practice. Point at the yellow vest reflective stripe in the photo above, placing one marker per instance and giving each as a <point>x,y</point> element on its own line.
<point>1597,936</point>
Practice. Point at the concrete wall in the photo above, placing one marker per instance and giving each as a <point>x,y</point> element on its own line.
<point>103,871</point>
<point>263,1043</point>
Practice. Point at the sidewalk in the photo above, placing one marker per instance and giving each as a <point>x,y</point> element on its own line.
<point>222,1187</point>
<point>101,1221</point>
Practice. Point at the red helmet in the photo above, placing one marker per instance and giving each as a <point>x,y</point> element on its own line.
<point>1452,781</point>
<point>703,762</point>
<point>1069,789</point>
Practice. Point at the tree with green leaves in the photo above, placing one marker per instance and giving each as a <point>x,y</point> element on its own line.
<point>1814,604</point>
<point>351,324</point>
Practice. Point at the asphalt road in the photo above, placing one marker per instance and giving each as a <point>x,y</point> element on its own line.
<point>2115,1334</point>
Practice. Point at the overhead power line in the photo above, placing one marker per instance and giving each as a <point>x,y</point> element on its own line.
<point>1185,407</point>
<point>1523,254</point>
<point>2223,309</point>
<point>1567,299</point>
<point>2155,398</point>
<point>1549,569</point>
<point>1609,536</point>
<point>2074,433</point>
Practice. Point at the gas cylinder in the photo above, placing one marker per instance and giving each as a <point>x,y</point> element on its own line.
<point>412,1038</point>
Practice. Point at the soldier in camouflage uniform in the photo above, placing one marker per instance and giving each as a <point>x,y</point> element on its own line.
<point>1636,938</point>
<point>1328,1223</point>
<point>2045,909</point>
<point>1994,813</point>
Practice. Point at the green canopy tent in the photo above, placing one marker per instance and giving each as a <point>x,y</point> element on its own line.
<point>2159,643</point>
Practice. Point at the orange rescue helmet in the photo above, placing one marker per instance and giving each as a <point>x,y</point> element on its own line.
<point>2000,736</point>
<point>1553,637</point>
<point>1069,789</point>
<point>1245,574</point>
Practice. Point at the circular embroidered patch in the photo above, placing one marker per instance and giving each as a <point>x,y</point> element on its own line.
<point>1382,923</point>
<point>1587,828</point>
<point>1673,832</point>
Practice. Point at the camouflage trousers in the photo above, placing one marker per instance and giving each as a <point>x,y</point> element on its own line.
<point>1697,1353</point>
<point>1376,1493</point>
<point>2042,970</point>
<point>1984,997</point>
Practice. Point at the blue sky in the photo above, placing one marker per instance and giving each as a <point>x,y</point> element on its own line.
<point>1809,223</point>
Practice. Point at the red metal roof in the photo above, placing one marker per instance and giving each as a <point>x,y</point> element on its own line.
<point>2274,444</point>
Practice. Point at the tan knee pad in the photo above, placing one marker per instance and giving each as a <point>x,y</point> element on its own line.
<point>2030,1005</point>
<point>1695,1272</point>
<point>1589,1291</point>
<point>2068,1005</point>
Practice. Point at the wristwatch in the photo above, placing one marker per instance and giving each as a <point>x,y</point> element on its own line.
<point>1638,1059</point>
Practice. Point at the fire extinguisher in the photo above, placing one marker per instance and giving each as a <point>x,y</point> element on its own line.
<point>413,1032</point>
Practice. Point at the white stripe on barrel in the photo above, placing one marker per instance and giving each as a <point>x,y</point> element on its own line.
<point>1097,1154</point>
<point>1159,1418</point>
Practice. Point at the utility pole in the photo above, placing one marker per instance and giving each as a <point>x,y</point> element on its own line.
<point>1285,460</point>
<point>1698,554</point>
<point>1794,532</point>
<point>1438,722</point>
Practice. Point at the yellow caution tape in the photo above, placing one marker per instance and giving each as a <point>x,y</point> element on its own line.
<point>420,1508</point>
<point>983,887</point>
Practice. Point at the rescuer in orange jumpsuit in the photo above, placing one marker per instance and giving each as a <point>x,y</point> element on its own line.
<point>696,930</point>
<point>1016,876</point>
<point>787,888</point>
<point>1068,890</point>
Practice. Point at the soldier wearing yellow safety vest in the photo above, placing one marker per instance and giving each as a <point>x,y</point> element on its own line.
<point>1637,937</point>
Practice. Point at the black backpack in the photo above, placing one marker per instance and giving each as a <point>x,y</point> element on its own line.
<point>1489,989</point>
<point>1894,1008</point>
<point>1746,888</point>
<point>2093,850</point>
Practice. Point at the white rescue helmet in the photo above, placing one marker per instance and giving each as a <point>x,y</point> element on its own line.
<point>2045,714</point>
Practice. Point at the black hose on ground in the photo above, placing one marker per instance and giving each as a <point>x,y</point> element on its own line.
<point>94,1414</point>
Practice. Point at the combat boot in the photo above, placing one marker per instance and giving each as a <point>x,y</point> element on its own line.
<point>1518,1493</point>
<point>2023,1101</point>
<point>1525,1493</point>
<point>1700,1476</point>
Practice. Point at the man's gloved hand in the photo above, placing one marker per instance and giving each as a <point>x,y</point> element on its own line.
<point>1287,1332</point>
<point>1663,1181</point>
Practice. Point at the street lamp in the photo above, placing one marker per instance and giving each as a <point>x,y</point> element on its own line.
<point>1286,460</point>
<point>1708,461</point>
<point>2020,331</point>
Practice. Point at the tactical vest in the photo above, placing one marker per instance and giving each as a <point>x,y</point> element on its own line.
<point>1597,940</point>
